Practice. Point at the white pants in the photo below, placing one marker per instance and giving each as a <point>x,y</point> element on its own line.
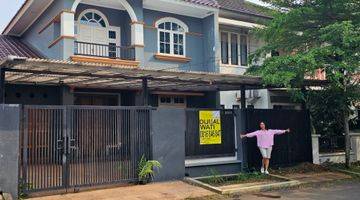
<point>266,152</point>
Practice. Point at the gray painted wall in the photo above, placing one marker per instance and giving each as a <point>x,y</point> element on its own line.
<point>41,42</point>
<point>168,142</point>
<point>194,43</point>
<point>9,149</point>
<point>32,95</point>
<point>207,170</point>
<point>210,43</point>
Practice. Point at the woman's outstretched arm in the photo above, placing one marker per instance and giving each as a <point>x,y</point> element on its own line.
<point>278,132</point>
<point>253,134</point>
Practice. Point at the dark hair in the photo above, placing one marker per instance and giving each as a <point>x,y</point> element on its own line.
<point>263,123</point>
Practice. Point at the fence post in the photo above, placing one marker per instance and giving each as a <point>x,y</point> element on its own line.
<point>355,145</point>
<point>315,148</point>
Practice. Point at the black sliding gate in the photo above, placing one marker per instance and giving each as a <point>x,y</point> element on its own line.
<point>288,149</point>
<point>66,147</point>
<point>194,149</point>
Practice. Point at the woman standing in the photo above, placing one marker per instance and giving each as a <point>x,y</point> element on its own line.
<point>265,141</point>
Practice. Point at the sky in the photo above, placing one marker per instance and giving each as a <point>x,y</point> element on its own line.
<point>8,11</point>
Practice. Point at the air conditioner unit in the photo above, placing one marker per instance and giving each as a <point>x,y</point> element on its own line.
<point>250,95</point>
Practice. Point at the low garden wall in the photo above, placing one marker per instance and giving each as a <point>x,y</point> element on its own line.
<point>336,157</point>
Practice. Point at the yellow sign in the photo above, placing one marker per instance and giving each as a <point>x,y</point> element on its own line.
<point>210,127</point>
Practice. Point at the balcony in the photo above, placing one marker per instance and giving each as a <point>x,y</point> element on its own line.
<point>101,53</point>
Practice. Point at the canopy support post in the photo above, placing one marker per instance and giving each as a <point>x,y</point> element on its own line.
<point>243,97</point>
<point>145,92</point>
<point>2,86</point>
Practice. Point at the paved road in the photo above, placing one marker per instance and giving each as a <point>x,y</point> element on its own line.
<point>339,191</point>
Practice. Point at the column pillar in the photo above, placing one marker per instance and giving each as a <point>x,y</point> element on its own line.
<point>137,41</point>
<point>67,33</point>
<point>355,145</point>
<point>137,33</point>
<point>315,149</point>
<point>2,86</point>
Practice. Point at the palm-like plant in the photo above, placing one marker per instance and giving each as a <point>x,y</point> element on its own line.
<point>146,169</point>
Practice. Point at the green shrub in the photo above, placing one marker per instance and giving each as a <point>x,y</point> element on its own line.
<point>146,169</point>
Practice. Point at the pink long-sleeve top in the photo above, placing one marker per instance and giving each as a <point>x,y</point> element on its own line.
<point>265,139</point>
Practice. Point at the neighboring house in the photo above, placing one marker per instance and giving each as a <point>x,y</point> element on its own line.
<point>237,18</point>
<point>190,35</point>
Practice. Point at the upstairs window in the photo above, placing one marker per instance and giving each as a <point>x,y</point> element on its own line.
<point>171,36</point>
<point>234,49</point>
<point>93,18</point>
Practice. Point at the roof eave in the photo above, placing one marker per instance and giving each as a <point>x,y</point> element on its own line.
<point>16,16</point>
<point>247,13</point>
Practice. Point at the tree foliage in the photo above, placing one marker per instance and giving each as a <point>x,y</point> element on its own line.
<point>312,35</point>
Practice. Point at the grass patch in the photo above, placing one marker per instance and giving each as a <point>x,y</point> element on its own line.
<point>254,177</point>
<point>300,168</point>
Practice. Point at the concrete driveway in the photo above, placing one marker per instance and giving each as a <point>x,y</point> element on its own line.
<point>168,190</point>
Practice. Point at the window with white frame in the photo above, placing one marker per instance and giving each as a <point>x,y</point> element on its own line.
<point>234,49</point>
<point>93,18</point>
<point>171,36</point>
<point>172,101</point>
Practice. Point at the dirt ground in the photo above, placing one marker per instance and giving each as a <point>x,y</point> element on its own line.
<point>342,190</point>
<point>176,190</point>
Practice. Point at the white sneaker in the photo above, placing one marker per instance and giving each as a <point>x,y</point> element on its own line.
<point>262,170</point>
<point>267,172</point>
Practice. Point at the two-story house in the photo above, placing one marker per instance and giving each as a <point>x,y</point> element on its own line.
<point>122,53</point>
<point>190,35</point>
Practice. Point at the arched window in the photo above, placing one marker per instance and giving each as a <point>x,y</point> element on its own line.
<point>171,36</point>
<point>93,18</point>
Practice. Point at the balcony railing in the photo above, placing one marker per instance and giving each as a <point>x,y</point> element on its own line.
<point>104,51</point>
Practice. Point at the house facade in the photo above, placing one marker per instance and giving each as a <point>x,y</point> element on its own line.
<point>201,36</point>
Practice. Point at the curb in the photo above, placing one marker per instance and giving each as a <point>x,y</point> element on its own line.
<point>287,183</point>
<point>347,172</point>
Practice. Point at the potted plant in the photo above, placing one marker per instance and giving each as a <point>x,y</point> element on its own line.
<point>146,170</point>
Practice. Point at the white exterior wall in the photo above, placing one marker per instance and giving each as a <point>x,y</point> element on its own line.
<point>230,98</point>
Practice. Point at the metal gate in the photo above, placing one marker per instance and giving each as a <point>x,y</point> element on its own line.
<point>67,147</point>
<point>193,148</point>
<point>289,149</point>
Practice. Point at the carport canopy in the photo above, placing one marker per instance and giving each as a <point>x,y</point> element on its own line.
<point>16,70</point>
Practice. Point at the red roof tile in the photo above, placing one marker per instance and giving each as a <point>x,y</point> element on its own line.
<point>12,46</point>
